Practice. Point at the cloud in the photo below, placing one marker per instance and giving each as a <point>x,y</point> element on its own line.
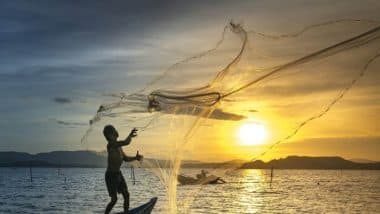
<point>222,115</point>
<point>217,114</point>
<point>62,100</point>
<point>67,123</point>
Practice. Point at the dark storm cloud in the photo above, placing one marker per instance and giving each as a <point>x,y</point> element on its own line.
<point>62,100</point>
<point>46,39</point>
<point>55,27</point>
<point>38,29</point>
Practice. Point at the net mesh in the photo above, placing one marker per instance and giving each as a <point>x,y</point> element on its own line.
<point>282,81</point>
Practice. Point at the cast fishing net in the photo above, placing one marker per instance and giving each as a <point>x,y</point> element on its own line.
<point>282,81</point>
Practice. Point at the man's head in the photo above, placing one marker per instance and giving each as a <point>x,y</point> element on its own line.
<point>110,133</point>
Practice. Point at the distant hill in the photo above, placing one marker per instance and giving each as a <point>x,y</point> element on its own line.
<point>54,159</point>
<point>79,159</point>
<point>69,159</point>
<point>99,159</point>
<point>360,160</point>
<point>302,162</point>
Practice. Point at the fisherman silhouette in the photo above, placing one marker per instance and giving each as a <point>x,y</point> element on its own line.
<point>202,175</point>
<point>114,178</point>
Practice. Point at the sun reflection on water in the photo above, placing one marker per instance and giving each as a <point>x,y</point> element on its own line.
<point>256,185</point>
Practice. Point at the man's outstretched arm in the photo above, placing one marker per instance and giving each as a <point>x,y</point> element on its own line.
<point>127,140</point>
<point>128,158</point>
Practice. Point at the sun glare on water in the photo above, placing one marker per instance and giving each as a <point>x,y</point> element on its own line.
<point>252,134</point>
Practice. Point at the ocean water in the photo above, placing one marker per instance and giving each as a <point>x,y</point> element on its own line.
<point>82,190</point>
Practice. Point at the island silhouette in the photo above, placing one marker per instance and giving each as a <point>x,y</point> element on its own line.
<point>89,159</point>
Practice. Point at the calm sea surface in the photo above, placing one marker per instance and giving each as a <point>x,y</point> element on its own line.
<point>78,190</point>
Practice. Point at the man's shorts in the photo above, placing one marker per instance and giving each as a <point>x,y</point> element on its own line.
<point>115,183</point>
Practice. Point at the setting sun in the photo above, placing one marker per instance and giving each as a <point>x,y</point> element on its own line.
<point>252,134</point>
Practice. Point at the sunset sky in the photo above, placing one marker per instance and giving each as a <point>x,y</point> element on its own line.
<point>59,59</point>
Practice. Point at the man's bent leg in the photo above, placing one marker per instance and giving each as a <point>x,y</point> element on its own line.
<point>126,200</point>
<point>111,204</point>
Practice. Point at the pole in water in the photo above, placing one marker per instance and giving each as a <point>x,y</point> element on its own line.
<point>133,175</point>
<point>271,176</point>
<point>30,172</point>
